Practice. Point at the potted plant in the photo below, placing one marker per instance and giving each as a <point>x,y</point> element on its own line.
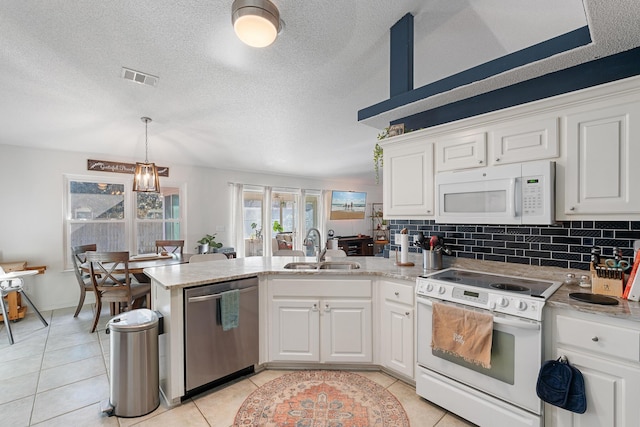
<point>257,232</point>
<point>206,243</point>
<point>277,227</point>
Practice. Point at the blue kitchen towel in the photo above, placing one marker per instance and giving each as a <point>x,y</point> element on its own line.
<point>230,309</point>
<point>562,385</point>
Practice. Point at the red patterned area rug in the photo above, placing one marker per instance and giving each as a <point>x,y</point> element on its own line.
<point>321,399</point>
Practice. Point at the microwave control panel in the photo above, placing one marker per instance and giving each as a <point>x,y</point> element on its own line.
<point>532,195</point>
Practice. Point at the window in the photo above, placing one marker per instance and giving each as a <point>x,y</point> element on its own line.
<point>269,219</point>
<point>252,221</point>
<point>157,217</point>
<point>100,211</point>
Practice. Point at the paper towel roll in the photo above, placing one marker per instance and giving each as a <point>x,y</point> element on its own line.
<point>403,240</point>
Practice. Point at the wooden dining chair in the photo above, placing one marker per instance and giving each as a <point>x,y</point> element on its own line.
<point>82,276</point>
<point>170,246</point>
<point>109,272</point>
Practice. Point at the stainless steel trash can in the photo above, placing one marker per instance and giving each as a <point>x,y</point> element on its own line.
<point>134,388</point>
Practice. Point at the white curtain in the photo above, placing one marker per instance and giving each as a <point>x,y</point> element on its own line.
<point>325,197</point>
<point>300,230</point>
<point>267,229</point>
<point>237,218</point>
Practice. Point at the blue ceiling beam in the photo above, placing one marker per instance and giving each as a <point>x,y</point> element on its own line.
<point>593,73</point>
<point>401,56</point>
<point>548,48</point>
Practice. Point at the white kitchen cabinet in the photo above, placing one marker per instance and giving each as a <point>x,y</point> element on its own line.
<point>607,352</point>
<point>397,327</point>
<point>295,333</point>
<point>320,320</point>
<point>407,178</point>
<point>346,330</point>
<point>461,152</point>
<point>524,141</point>
<point>601,171</point>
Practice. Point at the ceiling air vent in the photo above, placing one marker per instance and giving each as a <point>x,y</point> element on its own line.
<point>139,77</point>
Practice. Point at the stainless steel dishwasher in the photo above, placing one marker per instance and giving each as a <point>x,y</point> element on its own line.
<point>210,352</point>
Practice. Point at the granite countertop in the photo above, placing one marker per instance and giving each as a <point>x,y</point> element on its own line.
<point>186,275</point>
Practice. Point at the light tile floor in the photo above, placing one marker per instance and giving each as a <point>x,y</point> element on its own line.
<point>58,376</point>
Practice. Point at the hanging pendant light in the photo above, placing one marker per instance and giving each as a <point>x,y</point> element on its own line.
<point>256,22</point>
<point>146,177</point>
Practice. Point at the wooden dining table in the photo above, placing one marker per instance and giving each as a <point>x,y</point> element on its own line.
<point>138,263</point>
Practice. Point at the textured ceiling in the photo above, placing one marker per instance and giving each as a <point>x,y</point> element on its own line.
<point>290,108</point>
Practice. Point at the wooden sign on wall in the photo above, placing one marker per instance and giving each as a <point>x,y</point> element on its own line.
<point>119,167</point>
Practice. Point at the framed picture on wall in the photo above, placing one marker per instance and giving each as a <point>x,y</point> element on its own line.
<point>348,205</point>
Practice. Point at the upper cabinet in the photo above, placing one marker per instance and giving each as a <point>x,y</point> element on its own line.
<point>593,135</point>
<point>525,140</point>
<point>461,152</point>
<point>603,146</point>
<point>407,178</point>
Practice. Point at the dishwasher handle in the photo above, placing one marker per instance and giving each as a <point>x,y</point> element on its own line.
<point>216,295</point>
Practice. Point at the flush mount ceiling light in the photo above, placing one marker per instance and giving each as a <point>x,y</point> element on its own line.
<point>146,178</point>
<point>256,22</point>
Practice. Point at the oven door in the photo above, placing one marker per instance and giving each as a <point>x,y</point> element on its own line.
<point>516,355</point>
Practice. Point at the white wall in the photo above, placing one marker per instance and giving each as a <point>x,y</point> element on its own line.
<point>32,194</point>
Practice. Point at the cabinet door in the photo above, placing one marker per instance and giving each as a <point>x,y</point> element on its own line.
<point>346,330</point>
<point>612,391</point>
<point>295,330</point>
<point>407,180</point>
<point>462,152</point>
<point>397,337</point>
<point>602,173</point>
<point>525,141</point>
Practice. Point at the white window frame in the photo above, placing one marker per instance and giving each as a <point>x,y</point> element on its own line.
<point>130,218</point>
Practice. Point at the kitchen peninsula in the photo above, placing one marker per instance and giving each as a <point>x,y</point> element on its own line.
<point>376,285</point>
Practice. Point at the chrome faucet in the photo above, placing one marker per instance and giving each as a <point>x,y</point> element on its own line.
<point>321,252</point>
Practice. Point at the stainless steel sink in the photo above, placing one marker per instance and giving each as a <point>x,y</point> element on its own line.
<point>339,265</point>
<point>301,266</point>
<point>326,265</point>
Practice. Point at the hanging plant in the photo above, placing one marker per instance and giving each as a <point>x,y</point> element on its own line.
<point>377,161</point>
<point>377,154</point>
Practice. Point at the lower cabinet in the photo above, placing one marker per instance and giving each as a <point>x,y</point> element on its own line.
<point>607,352</point>
<point>320,320</point>
<point>396,327</point>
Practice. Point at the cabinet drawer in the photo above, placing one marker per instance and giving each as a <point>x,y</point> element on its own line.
<point>402,294</point>
<point>598,338</point>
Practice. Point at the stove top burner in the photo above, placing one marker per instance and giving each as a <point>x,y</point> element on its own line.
<point>509,287</point>
<point>451,279</point>
<point>522,286</point>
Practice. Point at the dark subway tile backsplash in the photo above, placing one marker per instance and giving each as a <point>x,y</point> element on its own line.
<point>566,245</point>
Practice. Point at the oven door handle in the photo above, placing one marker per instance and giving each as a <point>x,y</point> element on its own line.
<point>522,324</point>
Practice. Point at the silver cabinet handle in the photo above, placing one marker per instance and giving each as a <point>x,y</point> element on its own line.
<point>327,308</point>
<point>397,293</point>
<point>497,159</point>
<point>572,208</point>
<point>406,313</point>
<point>480,161</point>
<point>314,307</point>
<point>595,339</point>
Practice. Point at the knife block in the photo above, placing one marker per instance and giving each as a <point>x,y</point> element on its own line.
<point>605,286</point>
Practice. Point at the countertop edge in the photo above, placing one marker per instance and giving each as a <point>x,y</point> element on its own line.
<point>189,275</point>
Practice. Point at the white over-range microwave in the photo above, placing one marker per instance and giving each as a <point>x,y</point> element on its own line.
<point>517,193</point>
